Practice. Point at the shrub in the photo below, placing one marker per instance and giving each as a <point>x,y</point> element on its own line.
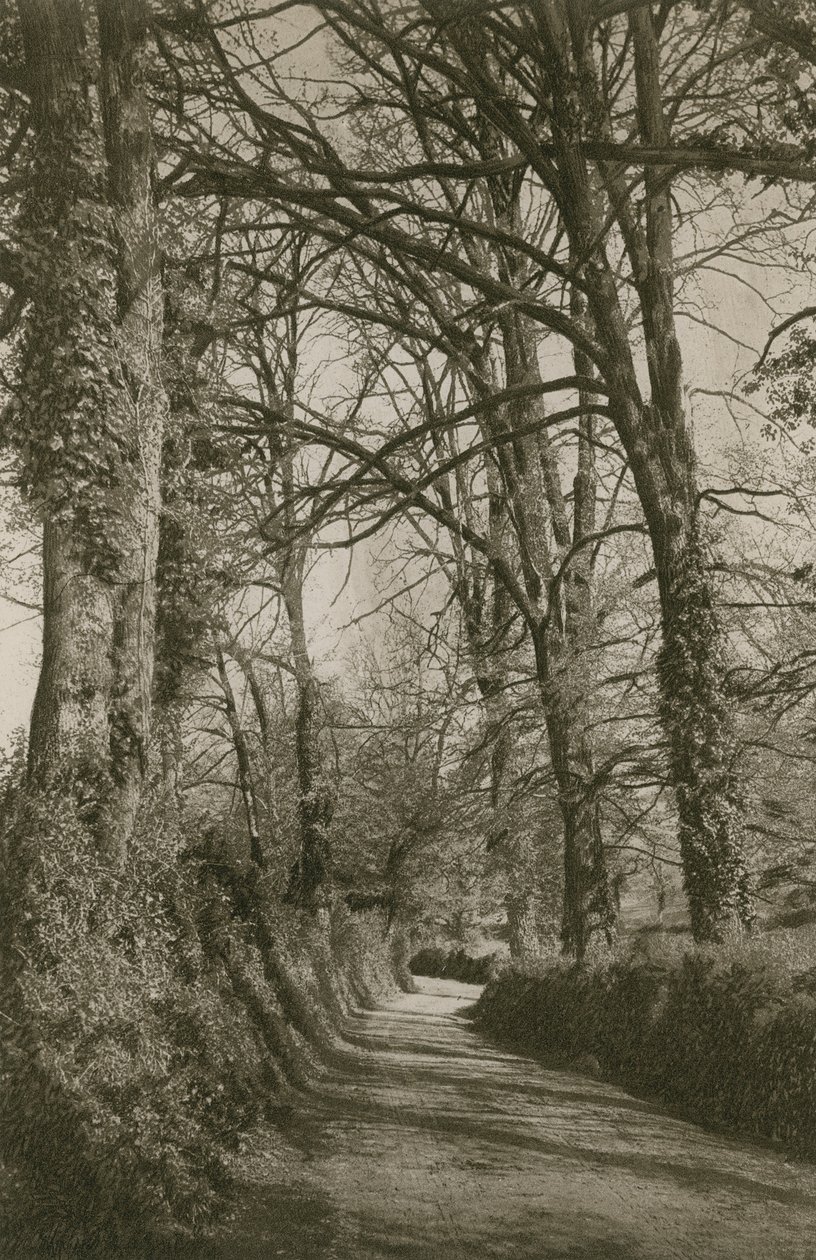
<point>369,953</point>
<point>129,1066</point>
<point>728,1034</point>
<point>453,965</point>
<point>148,1016</point>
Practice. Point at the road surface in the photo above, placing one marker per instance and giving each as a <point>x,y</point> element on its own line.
<point>427,1142</point>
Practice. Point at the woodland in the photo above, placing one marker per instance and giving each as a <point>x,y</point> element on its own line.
<point>408,436</point>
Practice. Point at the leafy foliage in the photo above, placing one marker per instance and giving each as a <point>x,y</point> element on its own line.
<point>454,964</point>
<point>147,1026</point>
<point>728,1034</point>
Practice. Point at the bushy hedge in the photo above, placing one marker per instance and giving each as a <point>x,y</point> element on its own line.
<point>453,964</point>
<point>149,1017</point>
<point>117,1097</point>
<point>729,1035</point>
<point>371,958</point>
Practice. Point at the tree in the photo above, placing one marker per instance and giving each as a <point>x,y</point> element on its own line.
<point>655,435</point>
<point>510,68</point>
<point>91,404</point>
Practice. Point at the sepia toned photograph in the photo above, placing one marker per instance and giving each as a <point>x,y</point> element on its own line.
<point>408,629</point>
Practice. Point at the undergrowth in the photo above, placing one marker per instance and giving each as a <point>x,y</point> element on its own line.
<point>454,964</point>
<point>726,1033</point>
<point>149,1017</point>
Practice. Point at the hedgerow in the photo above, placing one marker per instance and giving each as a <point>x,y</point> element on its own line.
<point>453,964</point>
<point>728,1034</point>
<point>149,1018</point>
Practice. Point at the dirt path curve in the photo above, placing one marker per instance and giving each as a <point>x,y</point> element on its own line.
<point>429,1143</point>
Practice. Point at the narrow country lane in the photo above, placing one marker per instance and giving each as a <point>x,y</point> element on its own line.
<point>429,1143</point>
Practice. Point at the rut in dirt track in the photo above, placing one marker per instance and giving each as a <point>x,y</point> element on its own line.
<point>426,1142</point>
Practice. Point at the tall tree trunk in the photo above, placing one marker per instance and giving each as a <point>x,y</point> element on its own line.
<point>486,612</point>
<point>246,780</point>
<point>694,706</point>
<point>259,700</point>
<point>560,626</point>
<point>309,875</point>
<point>588,902</point>
<point>93,404</point>
<point>315,794</point>
<point>486,642</point>
<point>534,485</point>
<point>588,909</point>
<point>691,665</point>
<point>527,477</point>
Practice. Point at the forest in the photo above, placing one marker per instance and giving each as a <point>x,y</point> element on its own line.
<point>408,526</point>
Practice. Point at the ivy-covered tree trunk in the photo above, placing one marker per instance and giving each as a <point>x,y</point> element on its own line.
<point>703,749</point>
<point>695,711</point>
<point>691,665</point>
<point>698,724</point>
<point>92,405</point>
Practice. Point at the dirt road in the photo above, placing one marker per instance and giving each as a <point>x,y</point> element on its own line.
<point>428,1143</point>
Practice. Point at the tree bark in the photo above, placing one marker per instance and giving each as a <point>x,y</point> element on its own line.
<point>691,665</point>
<point>525,935</point>
<point>315,795</point>
<point>259,700</point>
<point>245,777</point>
<point>694,707</point>
<point>588,902</point>
<point>561,625</point>
<point>486,624</point>
<point>311,871</point>
<point>93,405</point>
